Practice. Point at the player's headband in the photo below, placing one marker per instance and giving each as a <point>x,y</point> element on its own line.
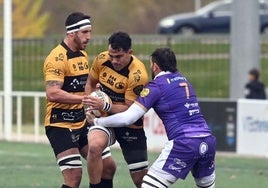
<point>78,26</point>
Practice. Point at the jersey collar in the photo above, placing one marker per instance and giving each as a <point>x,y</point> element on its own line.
<point>162,73</point>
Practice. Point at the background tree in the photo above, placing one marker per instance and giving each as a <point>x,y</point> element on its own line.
<point>27,21</point>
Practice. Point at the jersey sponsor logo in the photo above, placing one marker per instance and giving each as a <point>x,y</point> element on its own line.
<point>58,72</point>
<point>119,85</point>
<point>75,137</point>
<point>177,165</point>
<point>111,80</point>
<point>64,115</point>
<point>128,137</point>
<point>137,76</point>
<point>75,84</point>
<point>188,105</point>
<point>177,78</point>
<point>60,57</point>
<point>195,111</point>
<point>144,92</point>
<point>101,56</point>
<point>68,116</point>
<point>50,69</point>
<point>104,74</point>
<point>80,66</point>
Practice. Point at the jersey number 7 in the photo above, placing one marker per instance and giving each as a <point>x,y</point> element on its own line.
<point>185,85</point>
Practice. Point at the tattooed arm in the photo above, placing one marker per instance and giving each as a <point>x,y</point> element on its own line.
<point>56,94</point>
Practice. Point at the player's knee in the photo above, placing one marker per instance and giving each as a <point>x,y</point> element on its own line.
<point>151,180</point>
<point>98,140</point>
<point>96,146</point>
<point>206,182</point>
<point>95,150</point>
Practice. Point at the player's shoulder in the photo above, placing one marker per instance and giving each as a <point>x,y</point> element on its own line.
<point>136,60</point>
<point>137,72</point>
<point>102,57</point>
<point>137,64</point>
<point>58,53</point>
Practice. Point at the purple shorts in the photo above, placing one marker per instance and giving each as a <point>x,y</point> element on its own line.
<point>181,156</point>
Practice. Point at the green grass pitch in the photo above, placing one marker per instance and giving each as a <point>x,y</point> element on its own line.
<point>34,166</point>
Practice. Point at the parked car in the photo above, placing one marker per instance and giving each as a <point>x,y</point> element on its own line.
<point>212,18</point>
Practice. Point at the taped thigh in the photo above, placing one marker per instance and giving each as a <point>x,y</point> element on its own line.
<point>70,162</point>
<point>151,180</point>
<point>106,153</point>
<point>133,167</point>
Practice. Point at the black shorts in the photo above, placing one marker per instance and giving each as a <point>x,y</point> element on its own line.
<point>133,144</point>
<point>62,139</point>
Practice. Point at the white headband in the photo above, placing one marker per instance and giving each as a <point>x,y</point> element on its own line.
<point>78,26</point>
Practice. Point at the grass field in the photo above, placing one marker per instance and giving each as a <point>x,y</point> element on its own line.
<point>33,166</point>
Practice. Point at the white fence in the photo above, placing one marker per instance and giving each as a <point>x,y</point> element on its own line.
<point>16,130</point>
<point>154,128</point>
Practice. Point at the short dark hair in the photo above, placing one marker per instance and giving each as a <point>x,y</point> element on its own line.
<point>165,59</point>
<point>75,17</point>
<point>255,72</point>
<point>120,40</point>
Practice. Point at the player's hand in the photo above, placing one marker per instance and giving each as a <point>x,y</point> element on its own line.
<point>90,117</point>
<point>92,103</point>
<point>86,104</point>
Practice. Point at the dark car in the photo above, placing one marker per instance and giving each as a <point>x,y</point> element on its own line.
<point>212,18</point>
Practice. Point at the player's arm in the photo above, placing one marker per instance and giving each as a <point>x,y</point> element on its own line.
<point>126,118</point>
<point>93,102</point>
<point>93,76</point>
<point>54,93</point>
<point>91,84</point>
<point>120,107</point>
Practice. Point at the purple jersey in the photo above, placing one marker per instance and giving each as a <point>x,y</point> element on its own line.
<point>174,100</point>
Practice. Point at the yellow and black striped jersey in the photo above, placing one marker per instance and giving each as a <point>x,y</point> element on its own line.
<point>72,69</point>
<point>120,85</point>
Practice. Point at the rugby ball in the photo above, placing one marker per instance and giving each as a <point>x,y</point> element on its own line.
<point>106,99</point>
